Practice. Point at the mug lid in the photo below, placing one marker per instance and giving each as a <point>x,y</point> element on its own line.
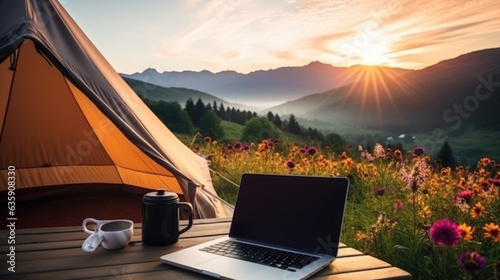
<point>160,195</point>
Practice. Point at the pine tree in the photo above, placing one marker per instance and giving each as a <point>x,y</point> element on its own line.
<point>189,107</point>
<point>199,111</point>
<point>270,116</point>
<point>445,155</point>
<point>293,125</point>
<point>222,112</point>
<point>215,108</point>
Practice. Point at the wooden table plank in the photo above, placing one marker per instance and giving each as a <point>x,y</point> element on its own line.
<point>393,273</point>
<point>55,253</point>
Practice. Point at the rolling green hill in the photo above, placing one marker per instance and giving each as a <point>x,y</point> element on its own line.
<point>180,95</point>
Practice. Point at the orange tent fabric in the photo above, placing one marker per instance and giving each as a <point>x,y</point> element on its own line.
<point>68,120</point>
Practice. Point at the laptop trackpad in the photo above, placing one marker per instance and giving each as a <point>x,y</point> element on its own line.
<point>228,267</point>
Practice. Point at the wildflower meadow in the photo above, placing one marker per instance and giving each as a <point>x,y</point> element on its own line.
<point>403,207</point>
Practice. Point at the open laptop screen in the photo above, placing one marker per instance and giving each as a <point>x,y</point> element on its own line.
<point>298,212</point>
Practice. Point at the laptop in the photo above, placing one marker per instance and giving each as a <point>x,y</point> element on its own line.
<point>283,227</point>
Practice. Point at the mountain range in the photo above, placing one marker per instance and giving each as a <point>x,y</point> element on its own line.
<point>260,88</point>
<point>449,95</point>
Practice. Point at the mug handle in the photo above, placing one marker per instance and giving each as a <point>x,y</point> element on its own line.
<point>92,220</point>
<point>188,208</point>
<point>92,241</point>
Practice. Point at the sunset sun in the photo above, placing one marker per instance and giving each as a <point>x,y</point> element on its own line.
<point>374,55</point>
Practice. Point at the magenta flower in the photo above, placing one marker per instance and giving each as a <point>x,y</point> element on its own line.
<point>471,261</point>
<point>290,164</point>
<point>495,181</point>
<point>417,151</point>
<point>464,196</point>
<point>207,139</point>
<point>445,232</point>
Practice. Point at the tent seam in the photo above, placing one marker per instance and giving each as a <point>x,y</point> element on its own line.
<point>10,91</point>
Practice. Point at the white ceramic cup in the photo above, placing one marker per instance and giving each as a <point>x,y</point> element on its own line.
<point>111,234</point>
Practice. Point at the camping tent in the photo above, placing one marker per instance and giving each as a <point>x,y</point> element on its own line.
<point>78,139</point>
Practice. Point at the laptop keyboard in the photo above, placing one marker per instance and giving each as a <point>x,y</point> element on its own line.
<point>261,255</point>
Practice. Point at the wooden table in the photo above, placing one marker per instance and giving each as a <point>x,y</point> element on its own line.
<point>55,253</point>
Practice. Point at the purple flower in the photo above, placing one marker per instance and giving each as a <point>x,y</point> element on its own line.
<point>207,139</point>
<point>379,192</point>
<point>238,145</point>
<point>312,151</point>
<point>445,232</point>
<point>471,261</point>
<point>290,164</point>
<point>418,151</point>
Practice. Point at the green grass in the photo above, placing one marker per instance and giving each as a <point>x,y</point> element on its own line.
<point>232,131</point>
<point>468,146</point>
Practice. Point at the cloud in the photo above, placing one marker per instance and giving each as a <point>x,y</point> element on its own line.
<point>237,34</point>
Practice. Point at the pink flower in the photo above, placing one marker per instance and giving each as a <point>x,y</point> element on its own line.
<point>379,151</point>
<point>398,205</point>
<point>464,196</point>
<point>445,232</point>
<point>416,177</point>
<point>495,181</point>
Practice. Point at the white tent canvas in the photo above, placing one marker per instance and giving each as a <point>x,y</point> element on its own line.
<point>70,125</point>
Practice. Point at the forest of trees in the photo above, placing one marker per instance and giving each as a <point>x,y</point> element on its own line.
<point>207,118</point>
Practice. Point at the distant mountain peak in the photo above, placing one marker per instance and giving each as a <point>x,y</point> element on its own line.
<point>150,70</point>
<point>317,63</point>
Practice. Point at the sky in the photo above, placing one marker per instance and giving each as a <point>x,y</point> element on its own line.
<point>250,35</point>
